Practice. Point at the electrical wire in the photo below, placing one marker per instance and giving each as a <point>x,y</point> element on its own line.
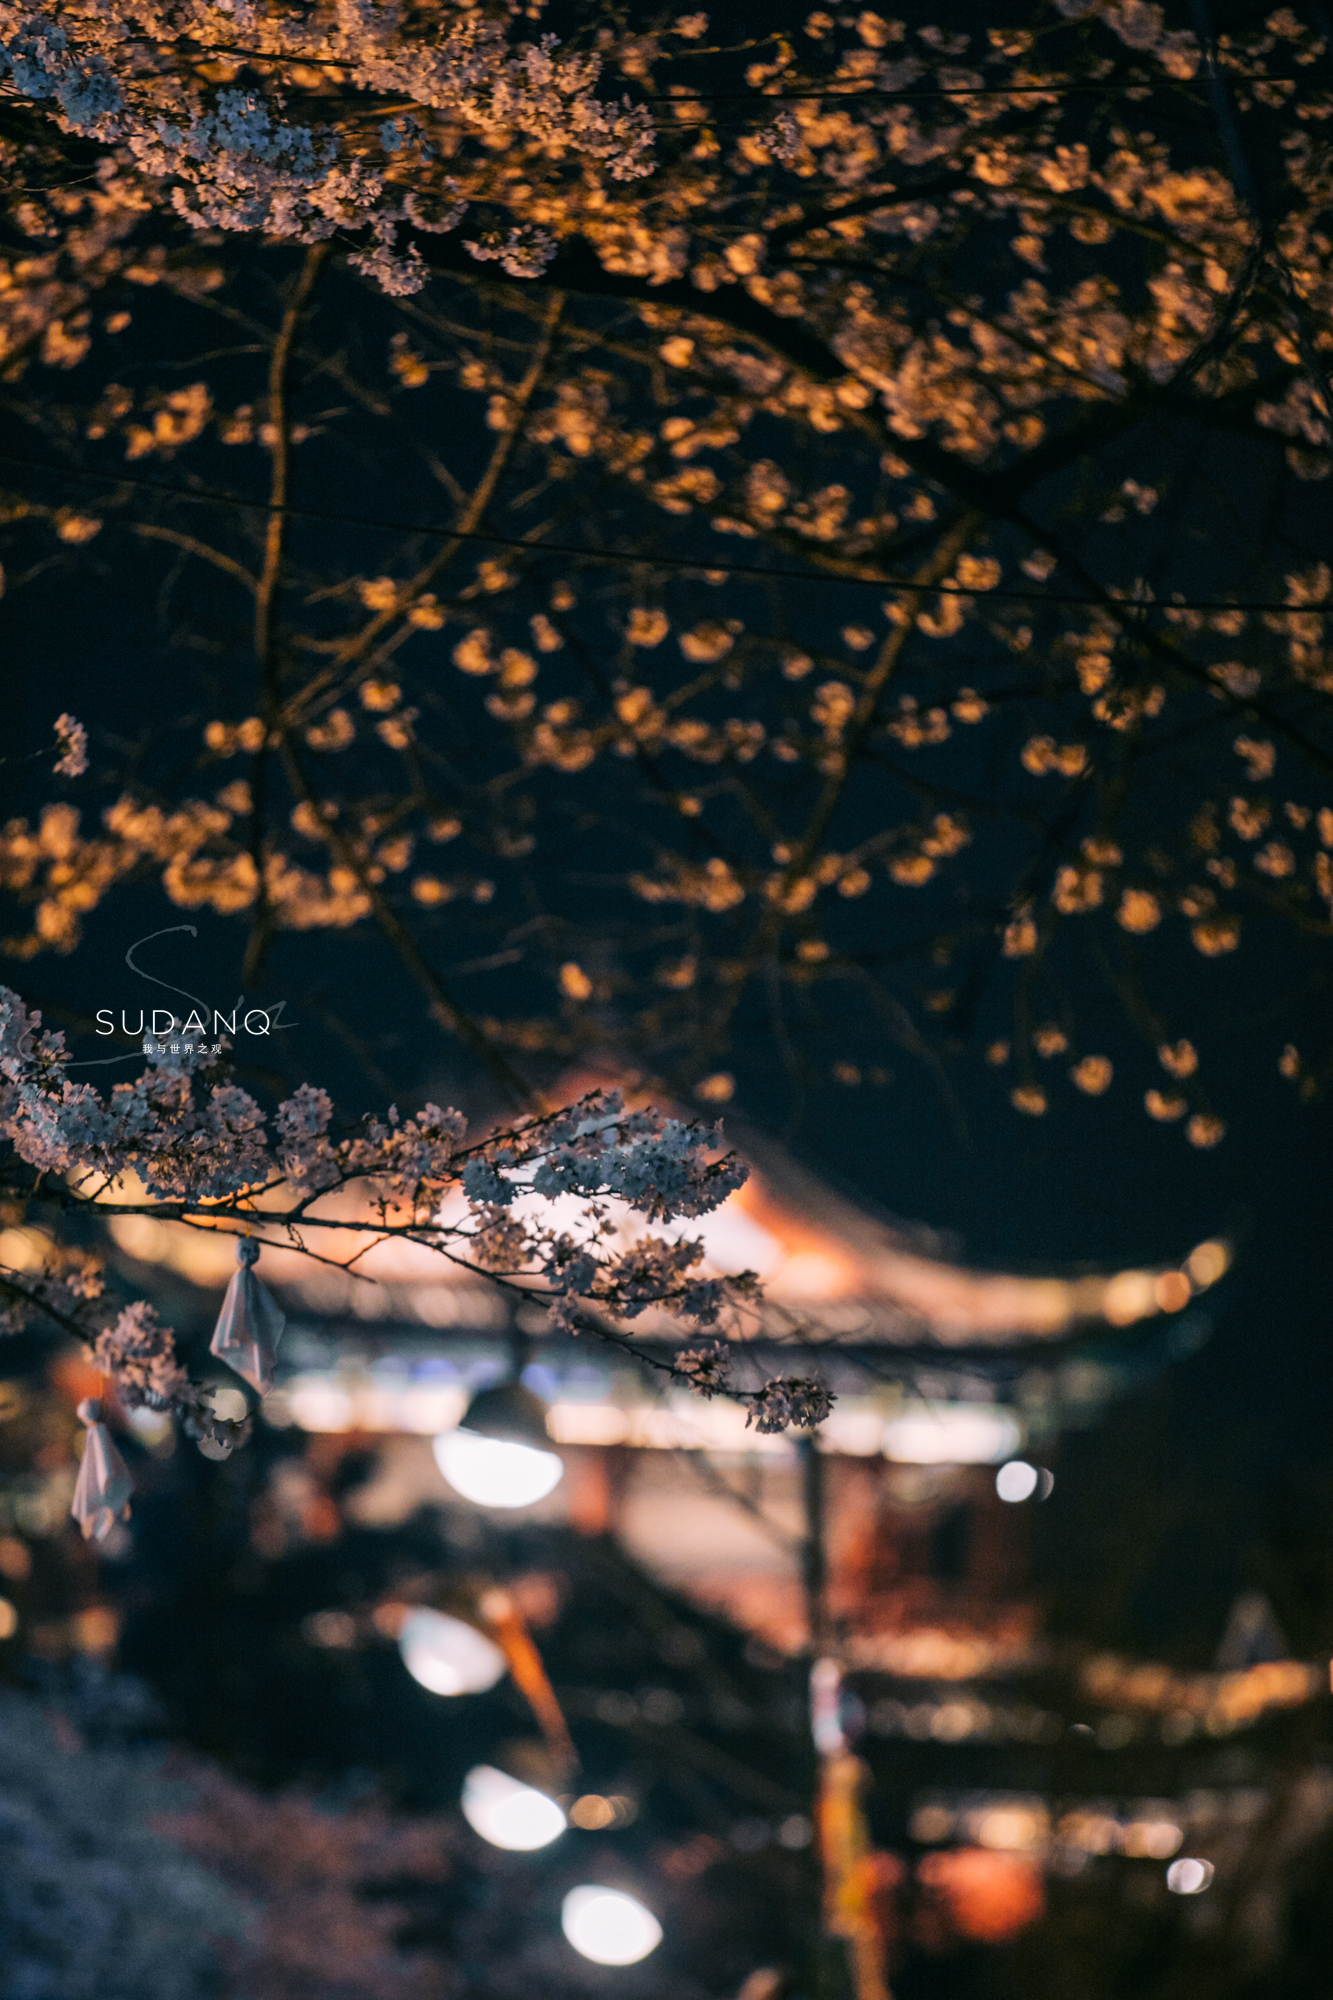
<point>836,91</point>
<point>836,87</point>
<point>698,566</point>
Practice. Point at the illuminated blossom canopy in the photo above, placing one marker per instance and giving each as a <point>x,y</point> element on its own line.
<point>1017,342</point>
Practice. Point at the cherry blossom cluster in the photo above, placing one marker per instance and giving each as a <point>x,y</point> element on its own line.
<point>63,1288</point>
<point>798,369</point>
<point>797,1402</point>
<point>135,1352</point>
<point>288,149</point>
<point>72,743</point>
<point>706,1367</point>
<point>139,1353</point>
<point>204,1152</point>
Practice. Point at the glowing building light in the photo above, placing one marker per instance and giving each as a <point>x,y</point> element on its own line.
<point>500,1456</point>
<point>509,1814</point>
<point>1189,1876</point>
<point>492,1472</point>
<point>1010,1828</point>
<point>447,1655</point>
<point>608,1926</point>
<point>952,1434</point>
<point>1151,1839</point>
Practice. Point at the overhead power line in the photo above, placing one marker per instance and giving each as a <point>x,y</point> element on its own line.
<point>699,566</point>
<point>844,86</point>
<point>851,89</point>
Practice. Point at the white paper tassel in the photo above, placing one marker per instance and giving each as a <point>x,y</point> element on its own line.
<point>250,1324</point>
<point>102,1494</point>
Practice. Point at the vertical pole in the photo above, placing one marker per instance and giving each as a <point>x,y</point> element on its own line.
<point>520,1347</point>
<point>828,1958</point>
<point>811,1764</point>
<point>814,1546</point>
<point>847,1955</point>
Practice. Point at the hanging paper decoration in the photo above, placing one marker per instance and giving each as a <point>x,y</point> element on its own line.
<point>102,1494</point>
<point>250,1324</point>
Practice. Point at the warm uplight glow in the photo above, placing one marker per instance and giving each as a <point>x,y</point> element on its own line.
<point>447,1655</point>
<point>493,1472</point>
<point>1189,1876</point>
<point>509,1814</point>
<point>608,1926</point>
<point>952,1434</point>
<point>1017,1480</point>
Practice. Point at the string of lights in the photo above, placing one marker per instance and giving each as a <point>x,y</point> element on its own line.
<point>695,566</point>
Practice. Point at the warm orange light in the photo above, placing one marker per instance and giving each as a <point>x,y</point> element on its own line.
<point>1173,1291</point>
<point>989,1896</point>
<point>205,1256</point>
<point>72,1378</point>
<point>592,1813</point>
<point>1218,1702</point>
<point>814,1274</point>
<point>1129,1296</point>
<point>1205,1265</point>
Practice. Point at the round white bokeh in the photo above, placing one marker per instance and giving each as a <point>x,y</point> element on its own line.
<point>447,1655</point>
<point>608,1926</point>
<point>1189,1876</point>
<point>1017,1480</point>
<point>509,1814</point>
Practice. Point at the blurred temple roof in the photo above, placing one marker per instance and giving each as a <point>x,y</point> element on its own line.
<point>831,1268</point>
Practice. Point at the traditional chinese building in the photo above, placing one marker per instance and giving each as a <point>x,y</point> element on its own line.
<point>896,1544</point>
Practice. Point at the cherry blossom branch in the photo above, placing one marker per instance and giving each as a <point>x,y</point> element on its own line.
<point>205,1155</point>
<point>270,677</point>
